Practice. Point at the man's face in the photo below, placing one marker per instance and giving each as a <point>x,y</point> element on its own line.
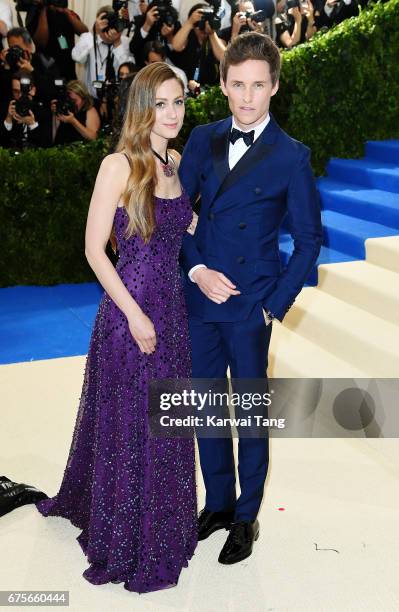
<point>16,90</point>
<point>244,7</point>
<point>249,89</point>
<point>18,41</point>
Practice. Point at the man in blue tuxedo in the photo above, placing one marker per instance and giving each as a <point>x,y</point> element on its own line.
<point>249,174</point>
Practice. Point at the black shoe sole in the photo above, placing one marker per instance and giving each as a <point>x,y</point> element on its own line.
<point>214,528</point>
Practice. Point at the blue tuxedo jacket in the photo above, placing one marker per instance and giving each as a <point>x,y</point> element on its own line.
<point>241,212</point>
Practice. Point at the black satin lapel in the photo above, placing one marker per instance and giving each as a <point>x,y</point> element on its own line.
<point>258,151</point>
<point>220,150</point>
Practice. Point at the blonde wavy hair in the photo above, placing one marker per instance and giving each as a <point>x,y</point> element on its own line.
<point>79,88</point>
<point>134,140</point>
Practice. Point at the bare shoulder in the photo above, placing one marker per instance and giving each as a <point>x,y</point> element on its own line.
<point>113,161</point>
<point>176,156</point>
<point>113,173</point>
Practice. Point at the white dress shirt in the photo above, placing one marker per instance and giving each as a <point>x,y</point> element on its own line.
<point>236,151</point>
<point>83,53</point>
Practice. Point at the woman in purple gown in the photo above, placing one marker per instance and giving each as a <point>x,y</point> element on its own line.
<point>133,495</point>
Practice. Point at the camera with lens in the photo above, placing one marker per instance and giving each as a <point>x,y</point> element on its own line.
<point>24,104</point>
<point>14,56</point>
<point>211,15</point>
<point>110,90</point>
<point>292,4</point>
<point>64,104</point>
<point>257,16</point>
<point>166,14</point>
<point>115,21</point>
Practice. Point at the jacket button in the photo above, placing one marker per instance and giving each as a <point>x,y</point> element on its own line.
<point>242,225</point>
<point>211,216</point>
<point>240,259</point>
<point>257,190</point>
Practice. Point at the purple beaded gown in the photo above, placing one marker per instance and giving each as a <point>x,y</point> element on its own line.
<point>133,495</point>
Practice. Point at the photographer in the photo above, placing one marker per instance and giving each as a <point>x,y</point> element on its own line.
<point>339,10</point>
<point>53,27</point>
<point>244,20</point>
<point>20,56</point>
<point>101,52</point>
<point>28,122</point>
<point>198,47</point>
<point>154,51</point>
<point>160,22</point>
<point>75,116</point>
<point>295,22</point>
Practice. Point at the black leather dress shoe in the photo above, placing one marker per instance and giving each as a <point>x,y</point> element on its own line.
<point>209,521</point>
<point>239,542</point>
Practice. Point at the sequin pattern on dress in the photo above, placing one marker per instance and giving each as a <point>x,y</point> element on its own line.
<point>132,495</point>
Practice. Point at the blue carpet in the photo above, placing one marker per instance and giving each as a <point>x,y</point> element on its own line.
<point>360,200</point>
<point>46,322</point>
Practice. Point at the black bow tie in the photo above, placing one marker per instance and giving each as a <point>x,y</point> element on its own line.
<point>248,137</point>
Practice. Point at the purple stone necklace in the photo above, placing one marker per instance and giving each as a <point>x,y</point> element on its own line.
<point>167,167</point>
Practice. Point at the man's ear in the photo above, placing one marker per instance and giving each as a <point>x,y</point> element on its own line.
<point>223,86</point>
<point>275,87</point>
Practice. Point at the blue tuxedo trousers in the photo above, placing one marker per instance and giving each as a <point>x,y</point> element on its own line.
<point>243,347</point>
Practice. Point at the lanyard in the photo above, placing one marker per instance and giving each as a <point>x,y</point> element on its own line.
<point>97,53</point>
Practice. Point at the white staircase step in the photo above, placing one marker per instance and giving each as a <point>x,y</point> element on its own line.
<point>293,356</point>
<point>383,252</point>
<point>365,285</point>
<point>351,333</point>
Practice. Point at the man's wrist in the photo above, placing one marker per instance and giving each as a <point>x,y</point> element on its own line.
<point>193,270</point>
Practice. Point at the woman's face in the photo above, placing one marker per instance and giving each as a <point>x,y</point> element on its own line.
<point>169,109</point>
<point>123,72</point>
<point>76,99</point>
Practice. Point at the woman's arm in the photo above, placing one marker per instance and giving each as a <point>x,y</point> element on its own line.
<point>90,130</point>
<point>111,180</point>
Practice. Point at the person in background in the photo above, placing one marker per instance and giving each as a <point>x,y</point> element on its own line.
<point>240,23</point>
<point>149,26</point>
<point>101,52</point>
<point>53,30</point>
<point>198,50</point>
<point>224,11</point>
<point>154,51</point>
<point>81,123</point>
<point>294,24</point>
<point>126,69</point>
<point>30,61</point>
<point>31,128</point>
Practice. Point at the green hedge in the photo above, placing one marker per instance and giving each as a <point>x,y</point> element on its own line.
<point>45,195</point>
<point>336,91</point>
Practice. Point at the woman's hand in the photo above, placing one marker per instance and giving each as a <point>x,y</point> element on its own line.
<point>143,331</point>
<point>191,228</point>
<point>69,118</point>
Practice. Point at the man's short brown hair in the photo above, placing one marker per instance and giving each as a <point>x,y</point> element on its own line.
<point>251,46</point>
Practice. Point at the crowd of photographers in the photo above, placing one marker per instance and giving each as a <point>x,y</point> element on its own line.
<point>42,103</point>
